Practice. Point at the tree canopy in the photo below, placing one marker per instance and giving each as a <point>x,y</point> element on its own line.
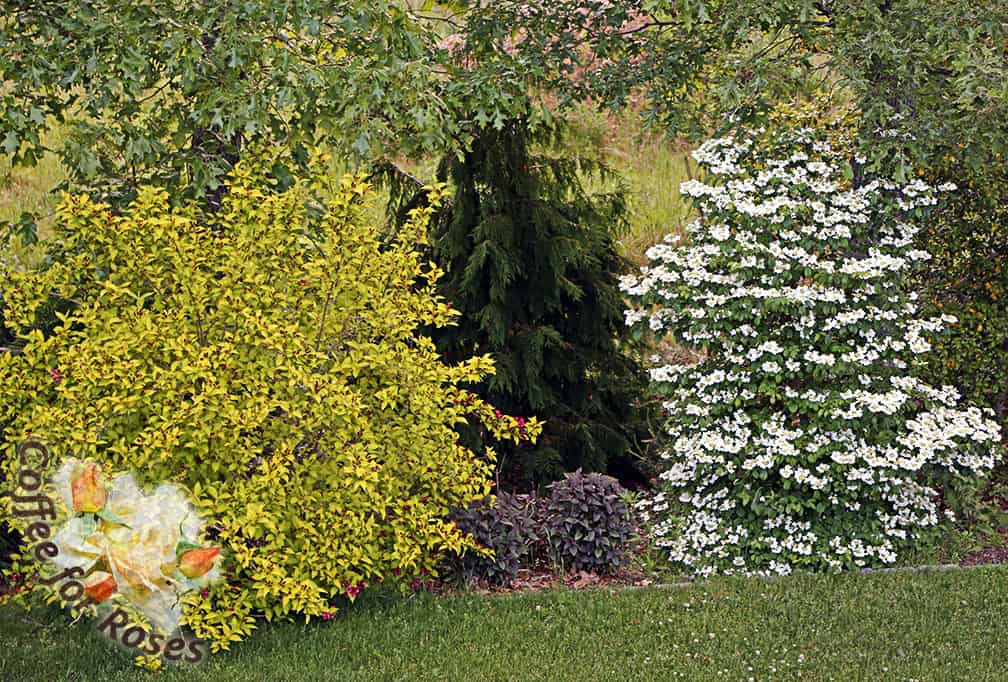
<point>168,92</point>
<point>926,77</point>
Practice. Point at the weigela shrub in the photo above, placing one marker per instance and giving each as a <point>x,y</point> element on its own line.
<point>508,525</point>
<point>802,437</point>
<point>266,358</point>
<point>587,523</point>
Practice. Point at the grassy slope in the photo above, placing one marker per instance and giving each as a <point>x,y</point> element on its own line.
<point>932,626</point>
<point>651,166</point>
<point>28,189</point>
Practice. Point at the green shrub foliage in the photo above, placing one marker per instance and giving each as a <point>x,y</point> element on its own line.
<point>267,359</point>
<point>587,522</point>
<point>532,264</point>
<point>968,278</point>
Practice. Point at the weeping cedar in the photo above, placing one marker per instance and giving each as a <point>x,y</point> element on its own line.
<point>532,263</point>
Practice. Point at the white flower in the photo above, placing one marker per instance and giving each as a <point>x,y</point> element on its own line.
<point>788,268</point>
<point>136,538</point>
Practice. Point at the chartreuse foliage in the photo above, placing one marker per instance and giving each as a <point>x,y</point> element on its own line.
<point>266,359</point>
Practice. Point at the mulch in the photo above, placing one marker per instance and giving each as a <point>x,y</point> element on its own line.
<point>540,580</point>
<point>991,555</point>
<point>995,554</point>
<point>530,581</point>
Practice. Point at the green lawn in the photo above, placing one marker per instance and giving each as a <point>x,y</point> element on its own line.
<point>930,626</point>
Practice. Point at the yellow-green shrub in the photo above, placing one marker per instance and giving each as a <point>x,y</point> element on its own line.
<point>267,359</point>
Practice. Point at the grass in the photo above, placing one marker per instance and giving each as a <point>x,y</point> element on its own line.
<point>652,166</point>
<point>925,626</point>
<point>28,189</point>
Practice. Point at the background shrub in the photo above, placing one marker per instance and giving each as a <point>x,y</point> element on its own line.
<point>507,524</point>
<point>266,358</point>
<point>587,522</point>
<point>968,278</point>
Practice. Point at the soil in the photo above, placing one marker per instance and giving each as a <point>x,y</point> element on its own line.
<point>991,555</point>
<point>537,581</point>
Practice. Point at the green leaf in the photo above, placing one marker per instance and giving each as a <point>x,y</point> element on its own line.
<point>185,546</point>
<point>112,517</point>
<point>88,524</point>
<point>10,142</point>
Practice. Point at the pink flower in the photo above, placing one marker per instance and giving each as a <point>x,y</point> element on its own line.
<point>57,377</point>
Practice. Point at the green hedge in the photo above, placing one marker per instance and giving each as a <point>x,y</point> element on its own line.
<point>968,278</point>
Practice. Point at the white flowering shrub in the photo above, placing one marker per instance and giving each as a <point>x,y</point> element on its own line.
<point>803,437</point>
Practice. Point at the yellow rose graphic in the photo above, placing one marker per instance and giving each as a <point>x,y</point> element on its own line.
<point>136,546</point>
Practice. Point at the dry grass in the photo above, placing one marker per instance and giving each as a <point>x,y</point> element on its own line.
<point>29,190</point>
<point>652,166</point>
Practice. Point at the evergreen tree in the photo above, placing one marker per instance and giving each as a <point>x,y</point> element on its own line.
<point>533,264</point>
